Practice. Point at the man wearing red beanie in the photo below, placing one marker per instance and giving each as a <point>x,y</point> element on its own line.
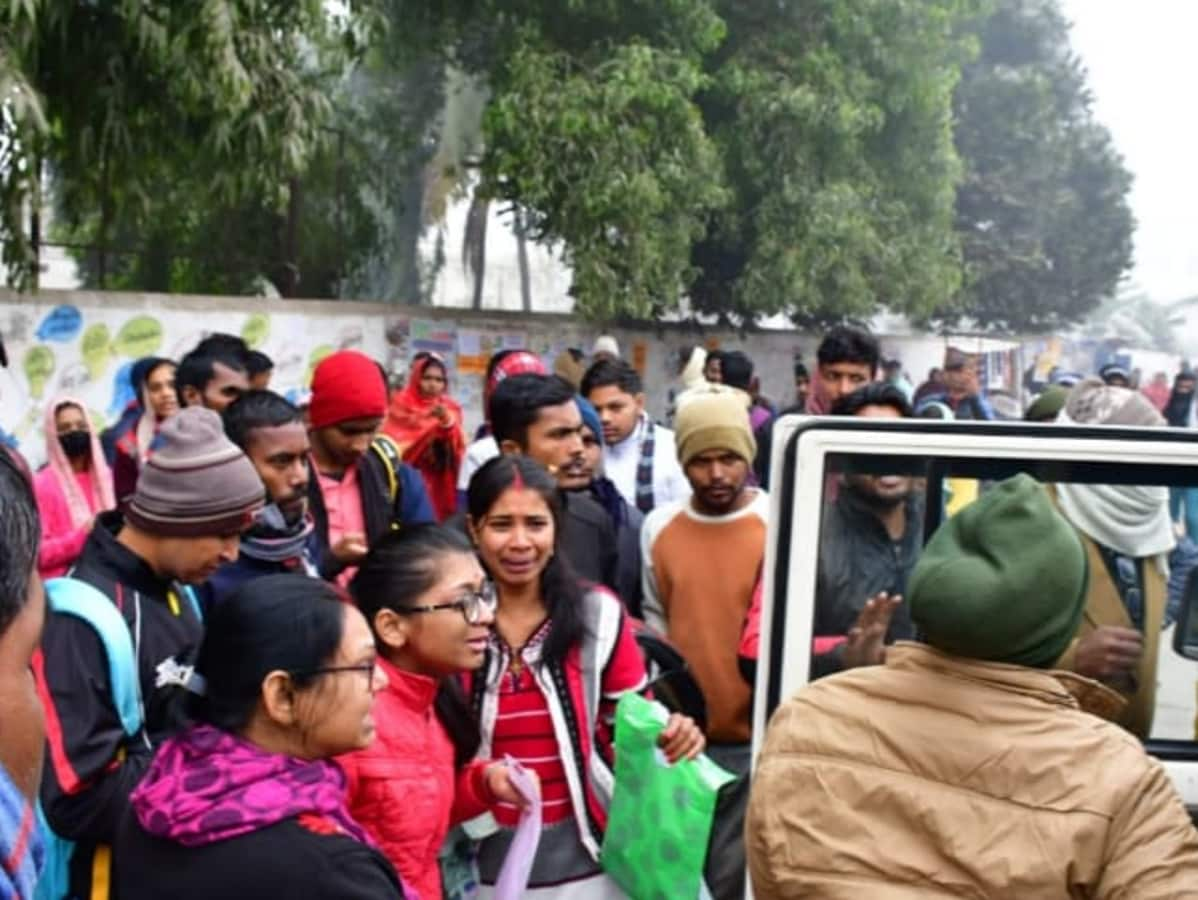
<point>361,488</point>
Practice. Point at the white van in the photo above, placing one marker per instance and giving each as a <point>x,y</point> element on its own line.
<point>809,454</point>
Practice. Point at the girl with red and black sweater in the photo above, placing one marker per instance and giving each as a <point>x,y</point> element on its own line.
<point>560,656</point>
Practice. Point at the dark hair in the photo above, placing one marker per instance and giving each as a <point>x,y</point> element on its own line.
<point>612,373</point>
<point>800,371</point>
<point>20,535</point>
<point>257,409</point>
<point>400,567</point>
<point>560,587</point>
<point>198,368</point>
<point>292,623</point>
<point>845,343</point>
<point>141,371</point>
<point>257,362</point>
<point>876,393</point>
<point>518,401</point>
<point>736,369</point>
<point>219,343</point>
<point>432,360</point>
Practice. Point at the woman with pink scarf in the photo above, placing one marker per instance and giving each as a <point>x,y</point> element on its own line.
<point>246,803</point>
<point>73,488</point>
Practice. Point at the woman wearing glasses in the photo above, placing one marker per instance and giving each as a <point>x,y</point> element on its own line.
<point>246,803</point>
<point>560,656</point>
<point>427,600</point>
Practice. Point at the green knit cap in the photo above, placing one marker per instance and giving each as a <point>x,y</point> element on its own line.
<point>1003,580</point>
<point>1048,405</point>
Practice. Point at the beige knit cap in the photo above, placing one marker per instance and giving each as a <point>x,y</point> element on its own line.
<point>715,420</point>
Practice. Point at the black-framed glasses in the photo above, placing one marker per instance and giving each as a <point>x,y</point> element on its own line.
<point>473,605</point>
<point>365,668</point>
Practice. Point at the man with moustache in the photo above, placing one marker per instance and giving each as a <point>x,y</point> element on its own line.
<point>702,557</point>
<point>537,416</point>
<point>870,540</point>
<point>271,432</point>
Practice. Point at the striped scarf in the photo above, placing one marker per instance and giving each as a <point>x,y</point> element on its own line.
<point>644,470</point>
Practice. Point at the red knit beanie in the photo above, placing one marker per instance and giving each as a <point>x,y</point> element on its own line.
<point>346,385</point>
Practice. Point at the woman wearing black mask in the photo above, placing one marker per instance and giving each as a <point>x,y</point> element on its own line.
<point>73,487</point>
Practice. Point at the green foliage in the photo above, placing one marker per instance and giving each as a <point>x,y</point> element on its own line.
<point>818,158</point>
<point>144,100</point>
<point>613,161</point>
<point>833,119</point>
<point>754,158</point>
<point>1042,212</point>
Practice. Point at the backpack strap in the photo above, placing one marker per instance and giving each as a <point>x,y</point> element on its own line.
<point>72,597</point>
<point>388,453</point>
<point>189,594</point>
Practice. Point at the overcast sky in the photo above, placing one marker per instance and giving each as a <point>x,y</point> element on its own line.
<point>1142,72</point>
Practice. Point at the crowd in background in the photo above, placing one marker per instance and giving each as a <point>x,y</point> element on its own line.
<point>308,650</point>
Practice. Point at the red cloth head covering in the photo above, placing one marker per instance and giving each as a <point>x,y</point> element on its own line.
<point>410,398</point>
<point>346,385</point>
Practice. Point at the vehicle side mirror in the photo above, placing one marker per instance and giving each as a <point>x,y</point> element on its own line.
<point>1185,633</point>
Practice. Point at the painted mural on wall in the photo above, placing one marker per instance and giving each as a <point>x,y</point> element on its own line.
<point>85,344</point>
<point>88,352</point>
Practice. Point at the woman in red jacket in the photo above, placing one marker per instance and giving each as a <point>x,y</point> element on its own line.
<point>425,596</point>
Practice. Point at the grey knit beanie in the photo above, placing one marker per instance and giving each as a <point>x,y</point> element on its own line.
<point>196,482</point>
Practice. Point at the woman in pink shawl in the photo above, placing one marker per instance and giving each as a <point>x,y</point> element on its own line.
<point>73,488</point>
<point>426,423</point>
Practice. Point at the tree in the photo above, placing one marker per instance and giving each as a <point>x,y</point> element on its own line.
<point>833,122</point>
<point>227,97</point>
<point>1042,213</point>
<point>758,157</point>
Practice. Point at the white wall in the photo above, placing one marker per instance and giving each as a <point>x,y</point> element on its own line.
<point>83,343</point>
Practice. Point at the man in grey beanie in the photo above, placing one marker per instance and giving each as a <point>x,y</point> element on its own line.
<point>194,497</point>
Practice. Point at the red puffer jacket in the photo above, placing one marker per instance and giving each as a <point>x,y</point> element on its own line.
<point>403,788</point>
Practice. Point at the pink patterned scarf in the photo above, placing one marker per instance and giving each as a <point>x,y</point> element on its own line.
<point>206,785</point>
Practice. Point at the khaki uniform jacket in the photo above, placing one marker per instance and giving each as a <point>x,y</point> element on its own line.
<point>934,776</point>
<point>1104,606</point>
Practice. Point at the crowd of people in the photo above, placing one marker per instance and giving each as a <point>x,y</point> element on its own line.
<point>308,650</point>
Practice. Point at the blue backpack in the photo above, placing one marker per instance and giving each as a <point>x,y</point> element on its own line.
<point>72,597</point>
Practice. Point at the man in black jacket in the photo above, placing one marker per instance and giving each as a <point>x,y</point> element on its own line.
<point>194,497</point>
<point>870,540</point>
<point>536,415</point>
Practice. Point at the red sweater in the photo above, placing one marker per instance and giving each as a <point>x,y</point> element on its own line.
<point>403,788</point>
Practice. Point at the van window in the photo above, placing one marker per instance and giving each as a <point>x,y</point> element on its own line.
<point>877,512</point>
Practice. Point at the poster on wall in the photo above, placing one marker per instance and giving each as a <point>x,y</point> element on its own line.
<point>640,356</point>
<point>473,352</point>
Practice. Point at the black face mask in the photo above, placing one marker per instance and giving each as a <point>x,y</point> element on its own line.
<point>76,443</point>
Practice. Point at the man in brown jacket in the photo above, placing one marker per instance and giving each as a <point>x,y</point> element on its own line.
<point>966,767</point>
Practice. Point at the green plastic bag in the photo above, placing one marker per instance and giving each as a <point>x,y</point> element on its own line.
<point>660,817</point>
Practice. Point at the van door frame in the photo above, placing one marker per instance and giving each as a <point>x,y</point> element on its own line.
<point>801,444</point>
